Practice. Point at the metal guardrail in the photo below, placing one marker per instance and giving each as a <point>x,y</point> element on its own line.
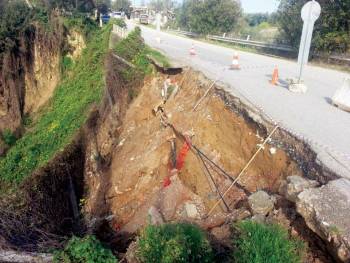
<point>252,43</point>
<point>120,31</point>
<point>186,33</point>
<point>281,49</point>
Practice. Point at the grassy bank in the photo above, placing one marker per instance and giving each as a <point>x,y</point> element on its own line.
<point>63,116</point>
<point>133,49</point>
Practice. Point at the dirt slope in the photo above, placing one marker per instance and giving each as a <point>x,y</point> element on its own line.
<point>140,162</point>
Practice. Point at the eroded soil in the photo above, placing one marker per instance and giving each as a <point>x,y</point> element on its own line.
<point>140,161</point>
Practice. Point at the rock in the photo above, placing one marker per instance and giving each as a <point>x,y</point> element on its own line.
<point>239,214</point>
<point>177,201</point>
<point>18,256</point>
<point>223,234</point>
<point>130,255</point>
<point>155,216</point>
<point>213,221</point>
<point>259,218</point>
<point>326,211</point>
<point>191,210</point>
<point>295,185</point>
<point>273,150</point>
<point>219,219</point>
<point>261,203</point>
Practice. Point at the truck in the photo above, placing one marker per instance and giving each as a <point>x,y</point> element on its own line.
<point>144,19</point>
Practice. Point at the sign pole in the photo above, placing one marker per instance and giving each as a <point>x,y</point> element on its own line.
<point>310,13</point>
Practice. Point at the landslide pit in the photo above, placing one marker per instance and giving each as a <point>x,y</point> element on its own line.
<point>134,179</point>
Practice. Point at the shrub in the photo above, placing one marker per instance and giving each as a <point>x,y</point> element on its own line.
<point>85,250</point>
<point>174,243</point>
<point>66,64</point>
<point>82,24</point>
<point>260,243</point>
<point>8,137</point>
<point>14,18</point>
<point>118,22</point>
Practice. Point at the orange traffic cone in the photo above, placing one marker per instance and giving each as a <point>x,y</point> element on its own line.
<point>192,50</point>
<point>235,63</point>
<point>274,80</point>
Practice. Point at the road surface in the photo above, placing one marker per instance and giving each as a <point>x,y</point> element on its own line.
<point>309,115</point>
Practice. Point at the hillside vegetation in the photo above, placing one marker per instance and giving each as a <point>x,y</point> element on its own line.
<point>63,116</point>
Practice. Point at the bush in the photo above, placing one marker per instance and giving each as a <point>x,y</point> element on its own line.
<point>66,63</point>
<point>14,19</point>
<point>174,243</point>
<point>84,250</point>
<point>259,243</point>
<point>118,22</point>
<point>82,24</point>
<point>8,137</point>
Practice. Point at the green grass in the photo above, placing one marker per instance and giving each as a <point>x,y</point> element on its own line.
<point>159,57</point>
<point>84,250</point>
<point>64,115</point>
<point>133,49</point>
<point>260,243</point>
<point>82,24</point>
<point>170,243</point>
<point>8,137</point>
<point>118,22</point>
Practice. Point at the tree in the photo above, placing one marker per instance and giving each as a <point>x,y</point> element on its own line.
<point>161,5</point>
<point>15,17</point>
<point>209,16</point>
<point>256,19</point>
<point>122,5</point>
<point>332,29</point>
<point>103,5</point>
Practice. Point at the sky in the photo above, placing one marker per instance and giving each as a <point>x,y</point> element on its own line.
<point>258,6</point>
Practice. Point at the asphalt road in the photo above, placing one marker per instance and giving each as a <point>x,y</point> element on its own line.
<point>311,116</point>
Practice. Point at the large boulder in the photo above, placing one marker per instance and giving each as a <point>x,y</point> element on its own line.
<point>326,211</point>
<point>295,185</point>
<point>261,203</point>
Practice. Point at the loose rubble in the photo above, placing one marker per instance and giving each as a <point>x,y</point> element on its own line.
<point>261,203</point>
<point>326,211</point>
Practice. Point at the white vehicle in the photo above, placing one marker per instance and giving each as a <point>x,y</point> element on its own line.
<point>117,15</point>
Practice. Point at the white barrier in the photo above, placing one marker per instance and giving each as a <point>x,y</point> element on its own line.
<point>341,97</point>
<point>119,31</point>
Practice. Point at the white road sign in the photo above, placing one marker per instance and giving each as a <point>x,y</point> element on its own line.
<point>310,13</point>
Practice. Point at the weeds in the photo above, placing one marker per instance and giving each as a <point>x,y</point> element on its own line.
<point>159,57</point>
<point>85,250</point>
<point>83,24</point>
<point>259,243</point>
<point>8,137</point>
<point>118,22</point>
<point>171,243</point>
<point>133,49</point>
<point>66,64</point>
<point>64,115</point>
